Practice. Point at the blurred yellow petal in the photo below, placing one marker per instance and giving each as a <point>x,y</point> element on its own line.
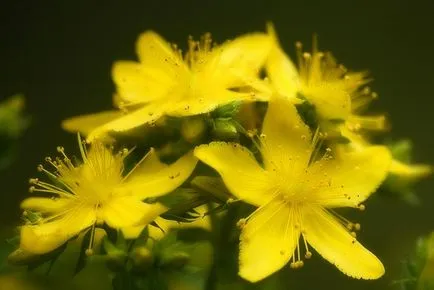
<point>46,205</point>
<point>43,238</point>
<point>330,99</point>
<point>156,178</point>
<point>87,123</point>
<point>267,241</point>
<point>128,211</point>
<point>132,232</point>
<point>138,84</point>
<point>349,179</point>
<point>144,115</point>
<point>281,71</point>
<point>333,242</point>
<point>372,123</point>
<point>410,171</point>
<point>156,53</point>
<point>234,62</point>
<point>286,139</point>
<point>239,170</point>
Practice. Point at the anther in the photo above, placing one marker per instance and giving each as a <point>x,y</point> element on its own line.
<point>231,200</point>
<point>354,234</point>
<point>308,255</point>
<point>362,207</point>
<point>60,149</point>
<point>40,168</point>
<point>366,90</point>
<point>33,181</point>
<point>357,227</point>
<point>251,133</point>
<point>31,189</point>
<point>241,223</point>
<point>89,252</point>
<point>300,264</point>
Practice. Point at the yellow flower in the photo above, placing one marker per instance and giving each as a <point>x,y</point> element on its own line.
<point>336,93</point>
<point>164,82</point>
<point>296,194</point>
<point>96,191</point>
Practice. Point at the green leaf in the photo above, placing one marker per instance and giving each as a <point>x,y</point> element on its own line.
<point>224,129</point>
<point>182,202</point>
<point>212,185</point>
<point>226,111</point>
<point>81,262</point>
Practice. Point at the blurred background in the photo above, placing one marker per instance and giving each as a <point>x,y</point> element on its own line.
<point>59,55</point>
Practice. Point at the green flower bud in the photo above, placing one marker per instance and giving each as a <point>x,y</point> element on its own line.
<point>175,260</point>
<point>224,129</point>
<point>142,258</point>
<point>192,129</point>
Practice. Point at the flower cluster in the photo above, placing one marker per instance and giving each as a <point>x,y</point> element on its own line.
<point>308,155</point>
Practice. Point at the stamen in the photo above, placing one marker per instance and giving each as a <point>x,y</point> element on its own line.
<point>241,223</point>
<point>89,250</point>
<point>344,221</point>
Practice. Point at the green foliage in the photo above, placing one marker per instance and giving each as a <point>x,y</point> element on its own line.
<point>402,186</point>
<point>12,125</point>
<point>418,268</point>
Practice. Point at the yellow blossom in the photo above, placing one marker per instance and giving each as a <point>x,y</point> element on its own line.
<point>338,95</point>
<point>296,191</point>
<point>165,82</point>
<point>97,191</point>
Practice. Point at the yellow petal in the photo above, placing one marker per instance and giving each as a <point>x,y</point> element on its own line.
<point>152,178</point>
<point>206,102</point>
<point>46,205</point>
<point>373,123</point>
<point>267,241</point>
<point>127,211</point>
<point>239,170</point>
<point>410,171</point>
<point>132,232</point>
<point>349,179</point>
<point>146,114</point>
<point>87,123</point>
<point>281,70</point>
<point>286,139</point>
<point>233,62</point>
<point>43,238</point>
<point>335,244</point>
<point>330,99</point>
<point>156,53</point>
<point>137,83</point>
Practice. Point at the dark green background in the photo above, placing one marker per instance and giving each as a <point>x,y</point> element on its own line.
<point>59,54</point>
